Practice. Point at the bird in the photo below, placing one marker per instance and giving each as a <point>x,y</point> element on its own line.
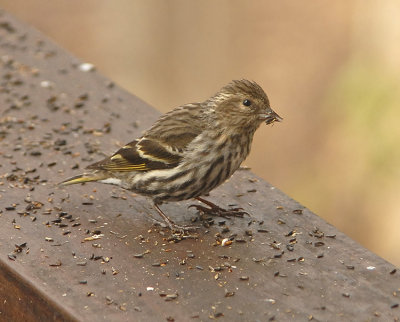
<point>188,151</point>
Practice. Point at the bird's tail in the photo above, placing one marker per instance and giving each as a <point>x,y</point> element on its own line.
<point>85,177</point>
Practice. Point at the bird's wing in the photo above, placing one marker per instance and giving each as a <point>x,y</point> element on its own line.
<point>178,128</point>
<point>139,155</point>
<point>161,147</point>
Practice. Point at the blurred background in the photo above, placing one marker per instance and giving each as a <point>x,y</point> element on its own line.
<point>331,69</point>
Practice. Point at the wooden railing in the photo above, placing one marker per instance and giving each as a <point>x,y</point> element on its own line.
<point>91,253</point>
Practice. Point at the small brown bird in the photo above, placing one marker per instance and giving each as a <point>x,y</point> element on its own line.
<point>190,150</point>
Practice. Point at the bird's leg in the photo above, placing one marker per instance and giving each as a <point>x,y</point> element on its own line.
<point>215,210</point>
<point>171,224</point>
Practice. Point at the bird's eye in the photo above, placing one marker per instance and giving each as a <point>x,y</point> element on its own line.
<point>246,102</point>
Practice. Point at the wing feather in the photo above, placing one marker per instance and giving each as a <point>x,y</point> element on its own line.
<point>161,147</point>
<point>133,157</point>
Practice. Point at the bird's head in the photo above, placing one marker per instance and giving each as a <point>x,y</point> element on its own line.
<point>243,103</point>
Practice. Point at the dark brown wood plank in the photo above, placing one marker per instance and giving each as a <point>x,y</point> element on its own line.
<point>284,263</point>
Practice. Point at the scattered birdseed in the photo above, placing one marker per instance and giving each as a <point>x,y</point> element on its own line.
<point>171,297</point>
<point>225,230</point>
<point>279,255</point>
<point>240,240</point>
<point>86,67</point>
<point>12,256</point>
<point>46,84</point>
<point>94,237</point>
<point>226,242</point>
<point>56,264</point>
<point>229,293</point>
<point>139,255</point>
<point>48,145</point>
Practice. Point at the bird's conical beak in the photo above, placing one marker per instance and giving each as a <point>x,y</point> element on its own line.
<point>272,117</point>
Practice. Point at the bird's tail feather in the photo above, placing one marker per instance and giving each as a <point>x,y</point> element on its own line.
<point>85,177</point>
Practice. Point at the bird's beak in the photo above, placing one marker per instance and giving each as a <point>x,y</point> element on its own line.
<point>272,117</point>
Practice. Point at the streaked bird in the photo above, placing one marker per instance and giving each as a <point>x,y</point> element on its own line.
<point>190,150</point>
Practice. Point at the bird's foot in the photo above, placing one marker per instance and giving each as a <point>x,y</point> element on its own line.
<point>172,225</point>
<point>214,210</point>
<point>181,228</point>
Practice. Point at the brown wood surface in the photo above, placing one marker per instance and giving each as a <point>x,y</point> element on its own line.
<point>284,263</point>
